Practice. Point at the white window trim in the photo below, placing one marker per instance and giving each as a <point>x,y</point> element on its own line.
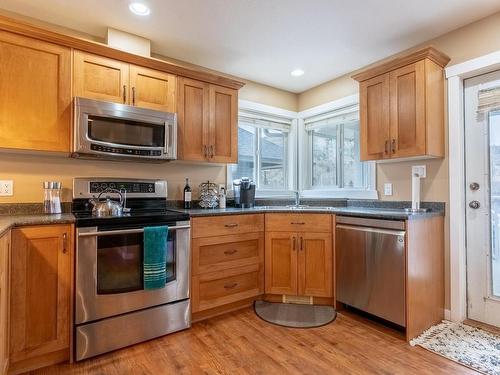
<point>305,162</point>
<point>297,137</point>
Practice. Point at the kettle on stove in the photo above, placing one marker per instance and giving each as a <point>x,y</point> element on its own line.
<point>108,207</point>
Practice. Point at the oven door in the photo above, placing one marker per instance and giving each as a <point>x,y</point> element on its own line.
<point>120,130</point>
<point>109,271</point>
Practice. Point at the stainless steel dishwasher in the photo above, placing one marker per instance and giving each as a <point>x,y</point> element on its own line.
<point>370,266</point>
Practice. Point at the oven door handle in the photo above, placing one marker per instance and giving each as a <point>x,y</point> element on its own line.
<point>125,231</point>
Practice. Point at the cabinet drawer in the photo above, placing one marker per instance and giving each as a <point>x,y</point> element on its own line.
<point>220,288</point>
<point>225,225</point>
<point>213,254</point>
<point>298,222</point>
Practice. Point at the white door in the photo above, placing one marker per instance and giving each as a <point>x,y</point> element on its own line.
<point>482,150</point>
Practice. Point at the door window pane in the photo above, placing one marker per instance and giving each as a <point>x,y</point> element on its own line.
<point>272,159</point>
<point>352,166</point>
<point>494,125</point>
<point>324,157</point>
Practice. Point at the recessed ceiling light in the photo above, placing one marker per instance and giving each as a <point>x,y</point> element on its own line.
<point>297,72</point>
<point>140,9</point>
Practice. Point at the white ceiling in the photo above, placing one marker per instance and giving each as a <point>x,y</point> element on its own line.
<point>264,40</point>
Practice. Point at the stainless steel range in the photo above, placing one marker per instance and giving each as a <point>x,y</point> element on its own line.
<point>112,308</point>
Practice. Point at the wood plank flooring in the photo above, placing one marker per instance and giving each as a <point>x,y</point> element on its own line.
<point>241,343</point>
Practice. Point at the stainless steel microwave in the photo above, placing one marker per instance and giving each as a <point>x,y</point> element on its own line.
<point>119,131</point>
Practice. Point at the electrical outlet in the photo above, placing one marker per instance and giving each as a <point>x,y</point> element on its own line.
<point>420,170</point>
<point>387,189</point>
<point>6,188</point>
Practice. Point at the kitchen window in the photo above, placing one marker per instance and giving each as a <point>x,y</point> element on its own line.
<point>263,152</point>
<point>330,149</point>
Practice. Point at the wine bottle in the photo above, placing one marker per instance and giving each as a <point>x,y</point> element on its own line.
<point>187,195</point>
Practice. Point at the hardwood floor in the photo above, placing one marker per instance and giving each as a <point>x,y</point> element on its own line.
<point>241,343</point>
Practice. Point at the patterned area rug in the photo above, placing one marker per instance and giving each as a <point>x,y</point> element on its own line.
<point>472,347</point>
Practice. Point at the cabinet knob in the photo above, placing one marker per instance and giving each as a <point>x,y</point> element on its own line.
<point>231,225</point>
<point>133,95</point>
<point>205,152</point>
<point>230,252</point>
<point>386,147</point>
<point>124,93</point>
<point>393,146</point>
<point>301,243</point>
<point>294,240</point>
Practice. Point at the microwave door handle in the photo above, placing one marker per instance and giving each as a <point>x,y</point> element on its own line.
<point>168,126</point>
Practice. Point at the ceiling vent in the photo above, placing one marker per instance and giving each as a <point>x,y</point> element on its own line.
<point>128,42</point>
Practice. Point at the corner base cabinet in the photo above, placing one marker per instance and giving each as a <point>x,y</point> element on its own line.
<point>299,255</point>
<point>40,298</point>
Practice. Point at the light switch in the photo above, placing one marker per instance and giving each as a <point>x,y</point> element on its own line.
<point>6,188</point>
<point>388,189</point>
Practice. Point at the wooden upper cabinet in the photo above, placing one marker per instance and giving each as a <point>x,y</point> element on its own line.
<point>208,122</point>
<point>152,89</point>
<point>315,264</point>
<point>193,119</point>
<point>35,94</point>
<point>402,107</point>
<point>374,118</point>
<point>40,295</point>
<point>97,77</point>
<point>407,103</point>
<point>281,263</point>
<point>223,133</point>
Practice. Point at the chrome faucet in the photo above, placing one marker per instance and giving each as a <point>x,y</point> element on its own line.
<point>297,198</point>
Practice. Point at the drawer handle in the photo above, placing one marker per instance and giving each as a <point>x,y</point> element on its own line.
<point>297,223</point>
<point>232,225</point>
<point>230,252</point>
<point>230,286</point>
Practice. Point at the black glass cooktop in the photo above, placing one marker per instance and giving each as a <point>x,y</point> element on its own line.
<point>142,212</point>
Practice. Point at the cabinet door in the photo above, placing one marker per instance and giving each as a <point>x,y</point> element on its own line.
<point>152,89</point>
<point>98,77</point>
<point>408,110</point>
<point>193,111</point>
<point>223,143</point>
<point>374,118</point>
<point>40,294</point>
<point>315,264</point>
<point>4,301</point>
<point>281,263</point>
<point>35,94</point>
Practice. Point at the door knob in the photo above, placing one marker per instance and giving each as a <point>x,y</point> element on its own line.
<point>474,204</point>
<point>474,186</point>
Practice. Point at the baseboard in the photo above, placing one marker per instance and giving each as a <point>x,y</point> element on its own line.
<point>447,314</point>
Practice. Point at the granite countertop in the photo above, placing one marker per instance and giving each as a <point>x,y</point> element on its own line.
<point>372,212</point>
<point>10,221</point>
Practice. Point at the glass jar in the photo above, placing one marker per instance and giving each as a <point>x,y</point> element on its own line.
<point>52,197</point>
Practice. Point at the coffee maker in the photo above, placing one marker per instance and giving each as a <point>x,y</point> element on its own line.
<point>244,192</point>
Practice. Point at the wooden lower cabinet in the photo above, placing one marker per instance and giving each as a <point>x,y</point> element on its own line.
<point>227,263</point>
<point>299,264</point>
<point>4,301</point>
<point>40,296</point>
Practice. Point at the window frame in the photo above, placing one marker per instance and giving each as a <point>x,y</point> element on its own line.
<point>346,105</point>
<point>298,155</point>
<point>269,113</point>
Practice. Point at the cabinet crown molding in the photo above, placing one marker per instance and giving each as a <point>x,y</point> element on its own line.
<point>429,52</point>
<point>27,29</point>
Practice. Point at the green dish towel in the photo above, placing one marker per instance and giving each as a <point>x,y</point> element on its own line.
<point>155,257</point>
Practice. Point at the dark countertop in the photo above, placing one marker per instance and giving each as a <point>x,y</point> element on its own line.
<point>10,221</point>
<point>372,212</point>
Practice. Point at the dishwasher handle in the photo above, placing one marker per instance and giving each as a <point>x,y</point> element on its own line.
<point>372,230</point>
